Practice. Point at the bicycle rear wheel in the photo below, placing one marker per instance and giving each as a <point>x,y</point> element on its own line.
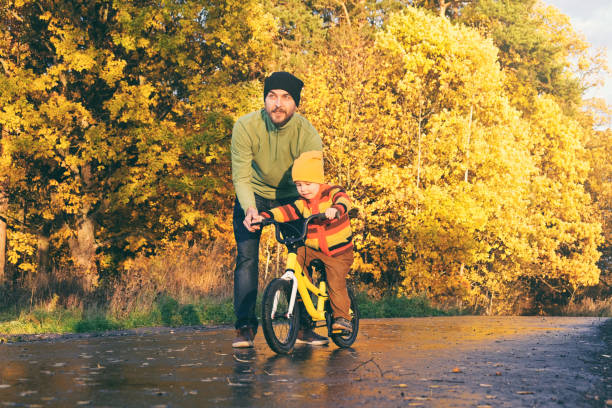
<point>279,329</point>
<point>347,339</point>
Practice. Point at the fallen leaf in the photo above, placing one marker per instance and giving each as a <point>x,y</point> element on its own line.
<point>485,385</point>
<point>233,384</point>
<point>402,385</point>
<point>4,386</point>
<point>457,370</point>
<point>524,392</point>
<point>606,356</point>
<point>498,373</point>
<point>491,397</point>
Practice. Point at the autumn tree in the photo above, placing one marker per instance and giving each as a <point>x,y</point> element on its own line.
<point>539,50</point>
<point>419,128</point>
<point>399,136</point>
<point>114,137</point>
<point>599,185</point>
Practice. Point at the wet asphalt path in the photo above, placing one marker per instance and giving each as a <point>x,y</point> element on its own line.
<point>431,362</point>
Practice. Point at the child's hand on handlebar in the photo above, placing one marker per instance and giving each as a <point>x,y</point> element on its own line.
<point>331,213</point>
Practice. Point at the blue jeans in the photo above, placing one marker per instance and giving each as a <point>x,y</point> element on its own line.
<point>246,274</point>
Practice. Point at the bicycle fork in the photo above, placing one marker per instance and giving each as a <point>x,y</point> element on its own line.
<point>290,276</point>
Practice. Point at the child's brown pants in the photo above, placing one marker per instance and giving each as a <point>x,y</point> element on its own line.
<point>337,268</point>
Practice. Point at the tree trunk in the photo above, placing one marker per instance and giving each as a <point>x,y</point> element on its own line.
<point>3,211</point>
<point>443,6</point>
<point>83,251</point>
<point>44,243</point>
<point>467,146</point>
<point>418,179</point>
<point>83,246</point>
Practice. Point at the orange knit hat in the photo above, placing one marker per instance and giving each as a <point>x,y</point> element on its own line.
<point>309,167</point>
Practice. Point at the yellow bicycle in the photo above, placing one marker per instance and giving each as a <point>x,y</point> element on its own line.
<point>279,314</point>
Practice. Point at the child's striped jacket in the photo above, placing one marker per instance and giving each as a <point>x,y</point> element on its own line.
<point>332,237</point>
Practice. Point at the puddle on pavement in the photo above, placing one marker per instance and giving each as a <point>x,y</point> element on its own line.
<point>396,361</point>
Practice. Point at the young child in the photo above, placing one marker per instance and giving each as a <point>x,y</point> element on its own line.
<point>329,240</point>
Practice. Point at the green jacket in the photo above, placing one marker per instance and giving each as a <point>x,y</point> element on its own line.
<point>263,154</point>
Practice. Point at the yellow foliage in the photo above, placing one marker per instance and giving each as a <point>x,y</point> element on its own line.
<point>418,127</point>
<point>470,181</point>
<point>22,250</point>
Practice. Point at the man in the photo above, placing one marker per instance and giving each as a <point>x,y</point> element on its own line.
<point>264,145</point>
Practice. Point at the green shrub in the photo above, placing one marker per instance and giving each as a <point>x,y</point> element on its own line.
<point>169,310</point>
<point>391,306</point>
<point>95,324</point>
<point>189,315</point>
<point>218,311</point>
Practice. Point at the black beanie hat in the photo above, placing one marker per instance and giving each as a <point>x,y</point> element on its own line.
<point>285,81</point>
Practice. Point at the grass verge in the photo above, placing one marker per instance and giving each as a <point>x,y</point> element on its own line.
<point>167,311</point>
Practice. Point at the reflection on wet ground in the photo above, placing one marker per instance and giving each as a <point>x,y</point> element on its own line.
<point>455,361</point>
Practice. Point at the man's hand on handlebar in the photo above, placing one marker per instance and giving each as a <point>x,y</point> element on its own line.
<point>252,216</point>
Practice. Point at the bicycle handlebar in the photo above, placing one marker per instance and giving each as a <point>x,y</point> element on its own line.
<point>290,240</point>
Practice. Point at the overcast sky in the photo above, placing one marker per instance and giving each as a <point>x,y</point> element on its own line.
<point>593,18</point>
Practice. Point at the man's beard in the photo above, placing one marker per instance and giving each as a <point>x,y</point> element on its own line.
<point>285,120</point>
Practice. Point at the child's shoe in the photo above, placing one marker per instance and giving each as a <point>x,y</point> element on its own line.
<point>340,323</point>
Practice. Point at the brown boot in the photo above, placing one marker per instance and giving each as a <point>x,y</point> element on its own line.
<point>340,323</point>
<point>244,338</point>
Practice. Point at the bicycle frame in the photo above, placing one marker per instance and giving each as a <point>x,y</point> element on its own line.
<point>302,284</point>
<point>295,273</point>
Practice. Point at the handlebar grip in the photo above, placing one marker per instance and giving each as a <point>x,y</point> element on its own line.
<point>264,222</point>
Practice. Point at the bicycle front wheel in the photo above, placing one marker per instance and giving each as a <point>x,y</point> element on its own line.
<point>279,328</point>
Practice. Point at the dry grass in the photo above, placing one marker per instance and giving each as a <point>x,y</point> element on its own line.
<point>589,307</point>
<point>185,273</point>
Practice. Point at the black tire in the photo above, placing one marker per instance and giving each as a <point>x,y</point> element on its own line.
<point>280,331</point>
<point>347,340</point>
